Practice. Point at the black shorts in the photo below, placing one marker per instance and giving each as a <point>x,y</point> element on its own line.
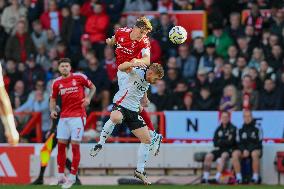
<point>132,119</point>
<point>218,153</point>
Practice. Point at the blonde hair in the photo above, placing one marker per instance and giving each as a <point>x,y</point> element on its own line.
<point>144,23</point>
<point>158,69</point>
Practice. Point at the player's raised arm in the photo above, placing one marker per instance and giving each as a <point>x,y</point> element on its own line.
<point>127,66</point>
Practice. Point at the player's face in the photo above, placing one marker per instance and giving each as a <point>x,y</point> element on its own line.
<point>139,33</point>
<point>64,68</point>
<point>152,77</point>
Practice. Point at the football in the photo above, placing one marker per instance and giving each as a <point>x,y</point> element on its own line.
<point>178,35</point>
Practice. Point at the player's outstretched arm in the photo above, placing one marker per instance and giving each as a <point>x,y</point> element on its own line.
<point>52,108</point>
<point>7,117</point>
<point>110,41</point>
<point>127,66</point>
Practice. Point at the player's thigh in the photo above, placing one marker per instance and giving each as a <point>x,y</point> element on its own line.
<point>256,154</point>
<point>63,129</point>
<point>142,134</point>
<point>77,128</point>
<point>116,116</point>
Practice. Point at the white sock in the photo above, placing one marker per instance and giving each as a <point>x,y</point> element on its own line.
<point>151,133</point>
<point>60,175</point>
<point>206,175</point>
<point>217,176</point>
<point>239,176</point>
<point>255,176</point>
<point>143,154</point>
<point>106,132</point>
<point>72,177</point>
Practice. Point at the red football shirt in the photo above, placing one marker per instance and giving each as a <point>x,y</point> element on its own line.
<point>128,49</point>
<point>71,90</point>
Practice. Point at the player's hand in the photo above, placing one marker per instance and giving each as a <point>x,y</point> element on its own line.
<point>109,41</point>
<point>53,114</point>
<point>86,101</point>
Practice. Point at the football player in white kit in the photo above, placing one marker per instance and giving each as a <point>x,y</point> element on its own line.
<point>127,108</point>
<point>6,113</point>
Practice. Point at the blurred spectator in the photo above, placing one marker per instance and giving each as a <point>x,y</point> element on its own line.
<point>187,63</point>
<point>96,26</point>
<point>229,99</point>
<point>200,81</point>
<point>270,98</point>
<point>218,66</point>
<point>11,15</point>
<point>61,50</point>
<point>275,61</point>
<point>232,55</point>
<point>243,46</point>
<point>264,43</point>
<point>224,142</point>
<point>72,29</point>
<point>277,26</point>
<point>161,33</point>
<point>114,9</point>
<point>207,60</point>
<point>265,71</point>
<point>247,97</point>
<point>252,39</point>
<point>137,5</point>
<point>3,4</point>
<point>34,9</point>
<point>3,39</point>
<point>176,98</point>
<point>87,9</point>
<point>32,73</point>
<point>221,40</point>
<point>235,29</point>
<point>255,19</point>
<point>165,5</point>
<point>187,102</point>
<point>257,57</point>
<point>18,95</point>
<point>256,83</point>
<point>42,58</point>
<point>227,78</point>
<point>204,101</point>
<point>12,72</point>
<point>52,40</point>
<point>39,86</point>
<point>52,71</point>
<point>19,46</point>
<point>52,19</point>
<point>38,35</point>
<point>198,48</point>
<point>65,12</point>
<point>241,68</point>
<point>111,68</point>
<point>183,5</point>
<point>161,98</point>
<point>249,146</point>
<point>98,75</point>
<point>38,104</point>
<point>156,51</point>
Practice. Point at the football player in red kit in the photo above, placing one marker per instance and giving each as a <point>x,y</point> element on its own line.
<point>71,88</point>
<point>133,45</point>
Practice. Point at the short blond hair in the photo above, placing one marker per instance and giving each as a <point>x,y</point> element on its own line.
<point>158,69</point>
<point>144,23</point>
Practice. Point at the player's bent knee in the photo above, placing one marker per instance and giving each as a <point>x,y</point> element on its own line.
<point>255,154</point>
<point>209,157</point>
<point>116,117</point>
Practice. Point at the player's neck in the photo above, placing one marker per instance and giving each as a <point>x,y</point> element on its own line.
<point>132,37</point>
<point>65,76</point>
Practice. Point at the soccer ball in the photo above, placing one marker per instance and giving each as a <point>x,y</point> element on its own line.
<point>178,35</point>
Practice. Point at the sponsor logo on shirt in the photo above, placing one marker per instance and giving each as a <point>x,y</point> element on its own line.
<point>69,90</point>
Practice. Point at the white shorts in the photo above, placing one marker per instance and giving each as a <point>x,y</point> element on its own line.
<point>71,127</point>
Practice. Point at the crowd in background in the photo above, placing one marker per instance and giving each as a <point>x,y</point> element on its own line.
<point>239,65</point>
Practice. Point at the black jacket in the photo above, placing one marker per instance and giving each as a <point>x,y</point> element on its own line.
<point>225,138</point>
<point>250,137</point>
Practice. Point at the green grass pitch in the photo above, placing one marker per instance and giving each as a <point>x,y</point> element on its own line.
<point>153,186</point>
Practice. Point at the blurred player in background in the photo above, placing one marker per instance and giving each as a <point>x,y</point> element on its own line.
<point>70,86</point>
<point>127,107</point>
<point>133,45</point>
<point>6,113</point>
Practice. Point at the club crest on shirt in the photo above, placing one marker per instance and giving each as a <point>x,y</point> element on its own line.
<point>74,82</point>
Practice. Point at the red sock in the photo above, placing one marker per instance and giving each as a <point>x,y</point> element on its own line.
<point>147,119</point>
<point>61,157</point>
<point>76,158</point>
